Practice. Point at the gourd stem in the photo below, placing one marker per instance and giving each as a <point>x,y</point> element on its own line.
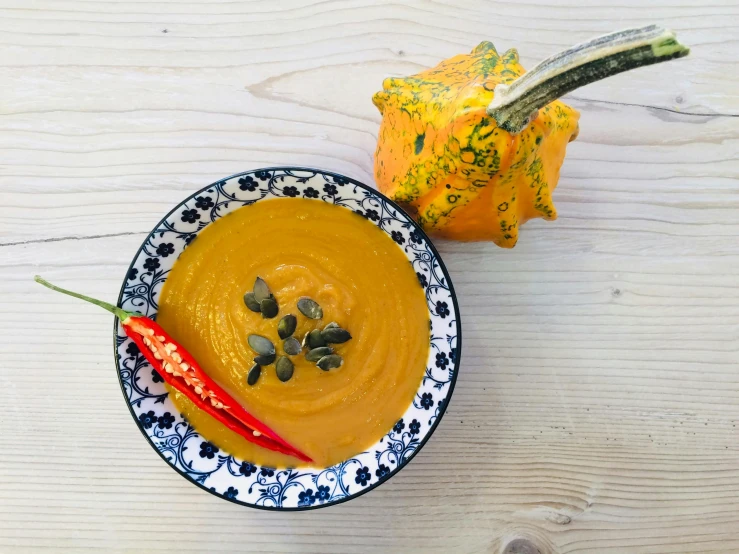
<point>516,104</point>
<point>115,310</point>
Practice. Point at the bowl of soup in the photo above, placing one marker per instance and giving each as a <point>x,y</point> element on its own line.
<point>339,261</point>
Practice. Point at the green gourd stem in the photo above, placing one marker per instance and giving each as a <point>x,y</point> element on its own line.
<point>515,105</point>
<point>115,310</point>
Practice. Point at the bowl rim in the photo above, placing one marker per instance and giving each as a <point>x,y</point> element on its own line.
<point>452,381</point>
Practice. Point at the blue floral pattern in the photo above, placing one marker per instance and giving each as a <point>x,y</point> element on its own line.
<point>240,480</point>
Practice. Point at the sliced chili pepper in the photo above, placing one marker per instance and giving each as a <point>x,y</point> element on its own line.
<point>179,369</point>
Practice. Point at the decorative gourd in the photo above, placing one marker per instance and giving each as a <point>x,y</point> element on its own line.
<point>472,147</point>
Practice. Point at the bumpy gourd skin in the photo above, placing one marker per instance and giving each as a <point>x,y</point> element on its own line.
<point>445,160</point>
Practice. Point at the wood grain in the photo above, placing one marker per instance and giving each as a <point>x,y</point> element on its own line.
<point>597,408</point>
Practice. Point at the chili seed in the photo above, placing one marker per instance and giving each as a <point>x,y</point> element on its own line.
<point>318,353</point>
<point>269,308</point>
<point>331,361</point>
<point>253,375</point>
<point>335,335</point>
<point>261,345</point>
<point>265,359</point>
<point>315,339</point>
<point>251,302</point>
<point>286,326</point>
<point>284,369</point>
<point>291,346</point>
<point>310,308</point>
<point>261,290</point>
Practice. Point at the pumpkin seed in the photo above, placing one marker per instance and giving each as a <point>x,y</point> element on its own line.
<point>318,353</point>
<point>269,308</point>
<point>261,290</point>
<point>286,326</point>
<point>331,325</point>
<point>284,369</point>
<point>306,341</point>
<point>310,308</point>
<point>253,375</point>
<point>261,345</point>
<point>291,346</point>
<point>251,302</point>
<point>265,359</point>
<point>315,339</point>
<point>331,361</point>
<point>335,335</point>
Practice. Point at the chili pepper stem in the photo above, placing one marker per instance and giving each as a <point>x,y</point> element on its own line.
<point>115,310</point>
<point>516,104</point>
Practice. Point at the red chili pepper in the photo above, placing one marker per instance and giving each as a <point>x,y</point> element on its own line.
<point>178,368</point>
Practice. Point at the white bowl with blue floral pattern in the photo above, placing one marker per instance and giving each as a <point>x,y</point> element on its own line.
<point>240,481</point>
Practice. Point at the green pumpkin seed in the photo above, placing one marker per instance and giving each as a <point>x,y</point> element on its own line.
<point>286,326</point>
<point>261,290</point>
<point>315,339</point>
<point>310,308</point>
<point>265,359</point>
<point>253,375</point>
<point>331,325</point>
<point>331,361</point>
<point>284,369</point>
<point>291,346</point>
<point>318,353</point>
<point>251,302</point>
<point>335,335</point>
<point>306,341</point>
<point>269,308</point>
<point>261,345</point>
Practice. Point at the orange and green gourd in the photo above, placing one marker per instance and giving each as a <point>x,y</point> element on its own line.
<point>472,148</point>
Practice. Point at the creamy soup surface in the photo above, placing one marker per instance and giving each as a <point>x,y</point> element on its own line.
<point>361,279</point>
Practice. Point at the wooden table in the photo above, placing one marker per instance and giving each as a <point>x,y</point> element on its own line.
<point>597,408</point>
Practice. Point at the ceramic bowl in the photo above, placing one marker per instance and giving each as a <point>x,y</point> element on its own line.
<point>240,481</point>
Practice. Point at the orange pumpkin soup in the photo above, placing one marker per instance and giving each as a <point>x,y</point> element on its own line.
<point>361,279</point>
